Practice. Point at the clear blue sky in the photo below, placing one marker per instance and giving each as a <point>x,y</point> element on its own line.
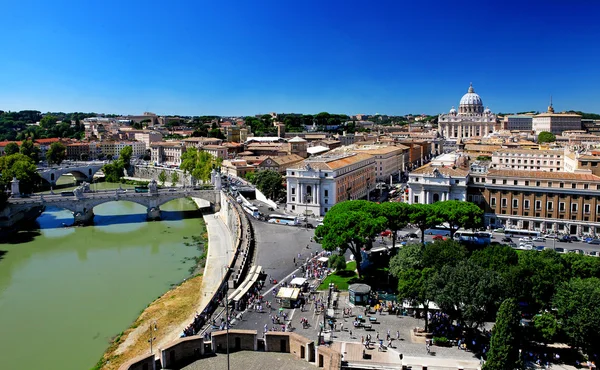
<point>247,57</point>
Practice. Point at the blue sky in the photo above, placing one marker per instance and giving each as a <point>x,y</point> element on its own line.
<point>248,57</point>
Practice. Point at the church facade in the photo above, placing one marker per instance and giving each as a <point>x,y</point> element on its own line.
<point>471,119</point>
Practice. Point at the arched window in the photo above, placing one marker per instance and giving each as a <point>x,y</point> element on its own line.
<point>436,197</point>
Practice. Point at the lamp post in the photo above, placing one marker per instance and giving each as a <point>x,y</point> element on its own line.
<point>227,314</point>
<point>151,329</point>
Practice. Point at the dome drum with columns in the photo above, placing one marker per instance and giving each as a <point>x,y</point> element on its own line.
<point>471,119</point>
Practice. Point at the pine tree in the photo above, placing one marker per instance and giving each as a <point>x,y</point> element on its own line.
<point>504,345</point>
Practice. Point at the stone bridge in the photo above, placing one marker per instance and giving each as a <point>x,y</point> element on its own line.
<point>82,171</point>
<point>82,203</point>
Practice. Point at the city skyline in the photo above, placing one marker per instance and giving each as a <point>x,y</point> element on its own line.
<point>340,57</point>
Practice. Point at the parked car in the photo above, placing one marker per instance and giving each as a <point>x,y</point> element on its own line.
<point>506,239</point>
<point>593,253</point>
<point>574,238</point>
<point>578,251</point>
<point>565,239</point>
<point>499,230</point>
<point>412,236</point>
<point>588,239</point>
<point>594,241</point>
<point>513,245</point>
<point>559,250</point>
<point>439,237</point>
<point>386,233</point>
<point>525,239</point>
<point>551,236</point>
<point>539,239</point>
<point>540,248</point>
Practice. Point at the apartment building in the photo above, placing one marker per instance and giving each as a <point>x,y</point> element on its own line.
<point>529,159</point>
<point>317,184</point>
<point>167,152</point>
<point>279,163</point>
<point>389,160</point>
<point>217,151</point>
<point>538,200</point>
<point>78,151</point>
<point>518,122</point>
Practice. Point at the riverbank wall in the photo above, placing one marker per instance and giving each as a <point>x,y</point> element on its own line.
<point>151,172</point>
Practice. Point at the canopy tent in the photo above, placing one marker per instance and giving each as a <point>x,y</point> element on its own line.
<point>323,259</point>
<point>299,281</point>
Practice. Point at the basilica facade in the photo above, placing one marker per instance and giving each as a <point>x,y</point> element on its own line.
<point>471,119</point>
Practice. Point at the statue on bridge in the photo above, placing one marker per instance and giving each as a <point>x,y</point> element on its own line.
<point>153,187</point>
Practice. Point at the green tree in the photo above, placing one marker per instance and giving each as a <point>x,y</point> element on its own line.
<point>397,215</point>
<point>30,150</point>
<point>251,177</point>
<point>11,148</point>
<point>495,257</point>
<point>469,293</point>
<point>546,137</point>
<point>546,327</point>
<point>577,305</point>
<point>539,274</point>
<point>57,153</point>
<point>270,183</point>
<point>417,286</point>
<point>48,121</point>
<point>348,230</point>
<point>337,262</point>
<point>113,172</point>
<point>443,253</point>
<point>506,338</point>
<point>424,217</point>
<point>458,214</point>
<point>125,155</point>
<point>408,257</point>
<point>198,163</point>
<point>19,166</point>
<point>162,177</point>
<point>581,266</point>
<point>174,178</point>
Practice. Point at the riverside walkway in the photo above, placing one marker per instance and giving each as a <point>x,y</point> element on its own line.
<point>220,252</point>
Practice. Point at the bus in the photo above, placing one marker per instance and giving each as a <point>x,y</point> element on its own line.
<point>521,233</point>
<point>251,210</point>
<point>473,238</point>
<point>141,189</point>
<point>283,219</point>
<point>438,230</point>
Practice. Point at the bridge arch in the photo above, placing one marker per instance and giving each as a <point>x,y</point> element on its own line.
<point>83,172</point>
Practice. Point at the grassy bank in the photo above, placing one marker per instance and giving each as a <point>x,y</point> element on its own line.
<point>168,312</point>
<point>340,278</point>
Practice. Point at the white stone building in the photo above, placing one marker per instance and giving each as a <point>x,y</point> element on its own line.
<point>317,184</point>
<point>167,152</point>
<point>528,159</point>
<point>556,123</point>
<point>471,120</point>
<point>430,184</point>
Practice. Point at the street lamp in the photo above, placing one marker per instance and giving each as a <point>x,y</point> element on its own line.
<point>151,329</point>
<point>227,313</point>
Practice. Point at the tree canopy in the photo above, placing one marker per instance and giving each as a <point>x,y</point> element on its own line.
<point>11,148</point>
<point>269,182</point>
<point>506,337</point>
<point>125,155</point>
<point>458,214</point>
<point>57,153</point>
<point>198,163</point>
<point>23,168</point>
<point>546,137</point>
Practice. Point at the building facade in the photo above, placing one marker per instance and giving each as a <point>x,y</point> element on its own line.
<point>317,184</point>
<point>558,202</point>
<point>471,119</point>
<point>429,184</point>
<point>556,123</point>
<point>527,159</point>
<point>389,160</point>
<point>167,152</point>
<point>519,122</point>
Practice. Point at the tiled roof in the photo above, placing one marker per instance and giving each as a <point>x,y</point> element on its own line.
<point>381,150</point>
<point>285,159</point>
<point>543,175</point>
<point>428,169</point>
<point>334,162</point>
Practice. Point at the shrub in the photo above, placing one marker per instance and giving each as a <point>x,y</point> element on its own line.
<point>441,341</point>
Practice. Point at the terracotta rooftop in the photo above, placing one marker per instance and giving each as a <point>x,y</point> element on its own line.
<point>380,150</point>
<point>543,175</point>
<point>530,151</point>
<point>428,169</point>
<point>333,162</point>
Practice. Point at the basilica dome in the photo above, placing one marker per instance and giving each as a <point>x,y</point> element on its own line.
<point>471,102</point>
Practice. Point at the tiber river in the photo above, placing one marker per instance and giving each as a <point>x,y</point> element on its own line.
<point>65,291</point>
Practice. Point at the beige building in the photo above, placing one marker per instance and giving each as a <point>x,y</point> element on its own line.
<point>529,159</point>
<point>279,163</point>
<point>217,151</point>
<point>389,160</point>
<point>317,184</point>
<point>556,123</point>
<point>236,167</point>
<point>167,152</point>
<point>148,137</point>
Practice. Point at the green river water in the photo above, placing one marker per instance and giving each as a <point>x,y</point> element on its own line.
<point>65,291</point>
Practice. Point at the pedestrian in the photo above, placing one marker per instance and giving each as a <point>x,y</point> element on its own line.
<point>398,334</point>
<point>362,339</point>
<point>342,327</point>
<point>350,333</point>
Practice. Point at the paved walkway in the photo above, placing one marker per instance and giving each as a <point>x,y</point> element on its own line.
<point>220,252</point>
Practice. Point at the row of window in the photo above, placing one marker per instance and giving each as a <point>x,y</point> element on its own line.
<point>538,205</point>
<point>538,184</point>
<point>531,161</point>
